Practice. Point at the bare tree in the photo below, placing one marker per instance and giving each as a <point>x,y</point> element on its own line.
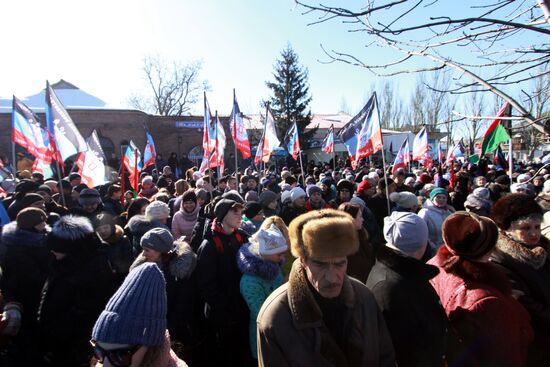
<point>538,102</point>
<point>391,108</point>
<point>474,105</point>
<point>174,87</point>
<point>506,40</point>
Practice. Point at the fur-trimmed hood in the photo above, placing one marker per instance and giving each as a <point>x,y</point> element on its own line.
<point>72,228</point>
<point>249,263</point>
<point>13,236</point>
<point>534,257</point>
<point>180,266</point>
<point>139,224</point>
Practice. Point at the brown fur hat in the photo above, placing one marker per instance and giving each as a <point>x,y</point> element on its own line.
<point>323,233</point>
<point>468,235</point>
<point>512,207</point>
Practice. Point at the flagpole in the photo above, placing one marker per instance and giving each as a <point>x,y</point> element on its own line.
<point>14,157</point>
<point>302,169</point>
<point>234,132</point>
<point>386,179</point>
<point>510,160</point>
<point>136,174</point>
<point>217,154</point>
<point>122,182</point>
<point>333,159</point>
<point>60,184</point>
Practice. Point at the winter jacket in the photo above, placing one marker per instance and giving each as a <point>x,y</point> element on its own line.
<point>111,206</point>
<point>529,272</point>
<point>260,278</point>
<point>361,262</point>
<point>136,228</point>
<point>291,330</point>
<point>76,291</point>
<point>416,321</point>
<point>434,218</point>
<point>183,223</point>
<point>218,277</point>
<point>120,254</point>
<point>25,267</point>
<point>489,327</point>
<point>185,322</point>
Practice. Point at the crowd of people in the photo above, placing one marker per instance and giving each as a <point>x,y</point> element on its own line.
<point>326,267</point>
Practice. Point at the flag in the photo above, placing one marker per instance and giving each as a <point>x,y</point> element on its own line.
<point>328,141</point>
<point>399,161</point>
<point>43,166</point>
<point>269,140</point>
<point>370,138</point>
<point>440,155</point>
<point>349,133</point>
<point>28,133</point>
<point>220,145</point>
<point>65,139</point>
<point>292,142</point>
<point>238,130</point>
<point>420,146</point>
<point>131,156</point>
<point>500,161</point>
<point>91,163</point>
<point>455,152</point>
<point>150,152</point>
<point>496,133</point>
<point>209,134</point>
<point>407,152</point>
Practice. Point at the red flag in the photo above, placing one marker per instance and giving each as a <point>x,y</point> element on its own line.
<point>238,130</point>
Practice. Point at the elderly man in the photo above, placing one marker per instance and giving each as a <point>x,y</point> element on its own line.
<point>322,317</point>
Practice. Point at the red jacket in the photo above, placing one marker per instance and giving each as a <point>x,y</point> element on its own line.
<point>490,327</point>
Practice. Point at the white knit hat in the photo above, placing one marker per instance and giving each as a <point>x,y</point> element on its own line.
<point>157,210</point>
<point>271,241</point>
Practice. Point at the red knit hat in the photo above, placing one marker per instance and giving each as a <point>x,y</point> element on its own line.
<point>363,186</point>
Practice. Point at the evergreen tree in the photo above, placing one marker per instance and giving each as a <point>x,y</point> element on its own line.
<point>290,96</point>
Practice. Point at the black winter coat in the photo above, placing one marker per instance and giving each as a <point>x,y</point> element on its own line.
<point>218,278</point>
<point>74,295</point>
<point>415,319</point>
<point>25,268</point>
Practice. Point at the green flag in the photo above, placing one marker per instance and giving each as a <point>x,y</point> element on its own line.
<point>495,134</point>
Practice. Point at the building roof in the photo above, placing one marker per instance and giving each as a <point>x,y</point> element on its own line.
<point>70,95</point>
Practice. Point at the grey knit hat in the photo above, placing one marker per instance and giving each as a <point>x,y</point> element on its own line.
<point>406,231</point>
<point>158,239</point>
<point>136,313</point>
<point>157,210</point>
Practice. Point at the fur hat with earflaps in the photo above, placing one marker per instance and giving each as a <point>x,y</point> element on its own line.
<point>323,233</point>
<point>512,207</point>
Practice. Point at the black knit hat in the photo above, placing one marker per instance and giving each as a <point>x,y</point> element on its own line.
<point>512,207</point>
<point>223,206</point>
<point>252,208</point>
<point>30,217</point>
<point>25,186</point>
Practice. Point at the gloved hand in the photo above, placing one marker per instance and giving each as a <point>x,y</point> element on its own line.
<point>11,315</point>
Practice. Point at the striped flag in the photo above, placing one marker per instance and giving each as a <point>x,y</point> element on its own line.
<point>292,142</point>
<point>28,132</point>
<point>91,163</point>
<point>150,152</point>
<point>370,138</point>
<point>269,140</point>
<point>238,130</point>
<point>328,141</point>
<point>131,156</point>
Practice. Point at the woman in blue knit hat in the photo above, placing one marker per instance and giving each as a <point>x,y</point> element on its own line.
<point>131,331</point>
<point>434,213</point>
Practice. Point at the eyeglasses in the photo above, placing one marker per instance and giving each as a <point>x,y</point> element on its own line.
<point>121,357</point>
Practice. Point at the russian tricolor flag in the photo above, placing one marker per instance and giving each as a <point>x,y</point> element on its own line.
<point>293,144</point>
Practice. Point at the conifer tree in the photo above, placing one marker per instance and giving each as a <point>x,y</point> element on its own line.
<point>290,95</point>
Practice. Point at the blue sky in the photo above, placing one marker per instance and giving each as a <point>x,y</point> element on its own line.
<point>99,46</point>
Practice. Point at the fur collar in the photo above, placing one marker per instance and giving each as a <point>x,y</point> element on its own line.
<point>406,266</point>
<point>180,266</point>
<point>534,257</point>
<point>304,309</point>
<point>119,232</point>
<point>249,263</point>
<point>13,236</point>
